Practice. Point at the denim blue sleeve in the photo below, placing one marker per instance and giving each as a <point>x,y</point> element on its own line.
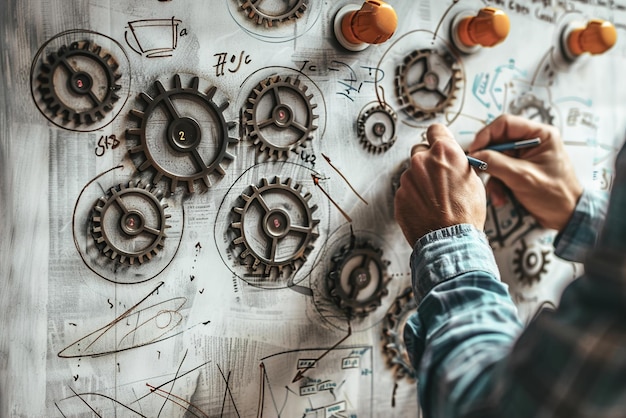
<point>581,232</point>
<point>465,322</point>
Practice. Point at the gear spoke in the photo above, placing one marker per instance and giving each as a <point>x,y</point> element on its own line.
<point>118,200</point>
<point>300,229</point>
<point>265,123</point>
<point>276,96</point>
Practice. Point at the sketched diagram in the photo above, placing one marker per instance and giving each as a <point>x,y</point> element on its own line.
<point>183,135</point>
<point>154,38</point>
<point>337,384</point>
<point>144,323</point>
<point>80,80</point>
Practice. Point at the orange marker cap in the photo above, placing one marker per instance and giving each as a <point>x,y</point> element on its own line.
<point>488,28</point>
<point>598,37</point>
<point>373,23</point>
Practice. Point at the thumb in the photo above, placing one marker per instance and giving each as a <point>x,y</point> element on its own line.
<point>501,166</point>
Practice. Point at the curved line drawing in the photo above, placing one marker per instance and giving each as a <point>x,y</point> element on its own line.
<point>140,334</point>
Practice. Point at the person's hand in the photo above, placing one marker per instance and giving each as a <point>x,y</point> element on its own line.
<point>439,188</point>
<point>542,178</point>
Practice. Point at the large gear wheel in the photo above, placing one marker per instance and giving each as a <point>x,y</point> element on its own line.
<point>393,335</point>
<point>358,280</point>
<point>129,223</point>
<point>530,263</point>
<point>426,83</point>
<point>268,13</point>
<point>376,127</point>
<point>531,107</point>
<point>79,82</point>
<point>276,226</point>
<point>183,134</point>
<point>279,116</point>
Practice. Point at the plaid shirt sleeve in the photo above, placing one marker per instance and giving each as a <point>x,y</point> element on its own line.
<point>467,345</point>
<point>581,232</point>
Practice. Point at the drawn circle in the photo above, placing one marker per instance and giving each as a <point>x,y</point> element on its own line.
<point>163,319</point>
<point>80,80</point>
<point>422,92</point>
<point>132,224</point>
<point>279,209</point>
<point>275,21</point>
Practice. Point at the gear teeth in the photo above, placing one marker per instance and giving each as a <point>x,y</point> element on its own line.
<point>177,83</point>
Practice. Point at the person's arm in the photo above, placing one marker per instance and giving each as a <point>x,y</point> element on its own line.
<point>466,319</point>
<point>466,323</point>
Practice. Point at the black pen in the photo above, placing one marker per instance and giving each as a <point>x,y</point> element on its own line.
<point>526,143</point>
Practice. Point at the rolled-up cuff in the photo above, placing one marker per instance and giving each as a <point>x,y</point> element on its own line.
<point>445,253</point>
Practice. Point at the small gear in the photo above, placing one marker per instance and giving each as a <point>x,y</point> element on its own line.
<point>426,83</point>
<point>183,134</point>
<point>530,263</point>
<point>531,107</point>
<point>358,280</point>
<point>393,335</point>
<point>129,223</point>
<point>272,14</point>
<point>376,127</point>
<point>276,226</point>
<point>279,116</point>
<point>79,82</point>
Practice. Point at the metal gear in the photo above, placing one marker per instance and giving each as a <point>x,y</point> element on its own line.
<point>530,263</point>
<point>393,335</point>
<point>186,147</point>
<point>129,223</point>
<point>358,280</point>
<point>279,116</point>
<point>272,14</point>
<point>376,127</point>
<point>426,83</point>
<point>276,226</point>
<point>532,108</point>
<point>79,83</point>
